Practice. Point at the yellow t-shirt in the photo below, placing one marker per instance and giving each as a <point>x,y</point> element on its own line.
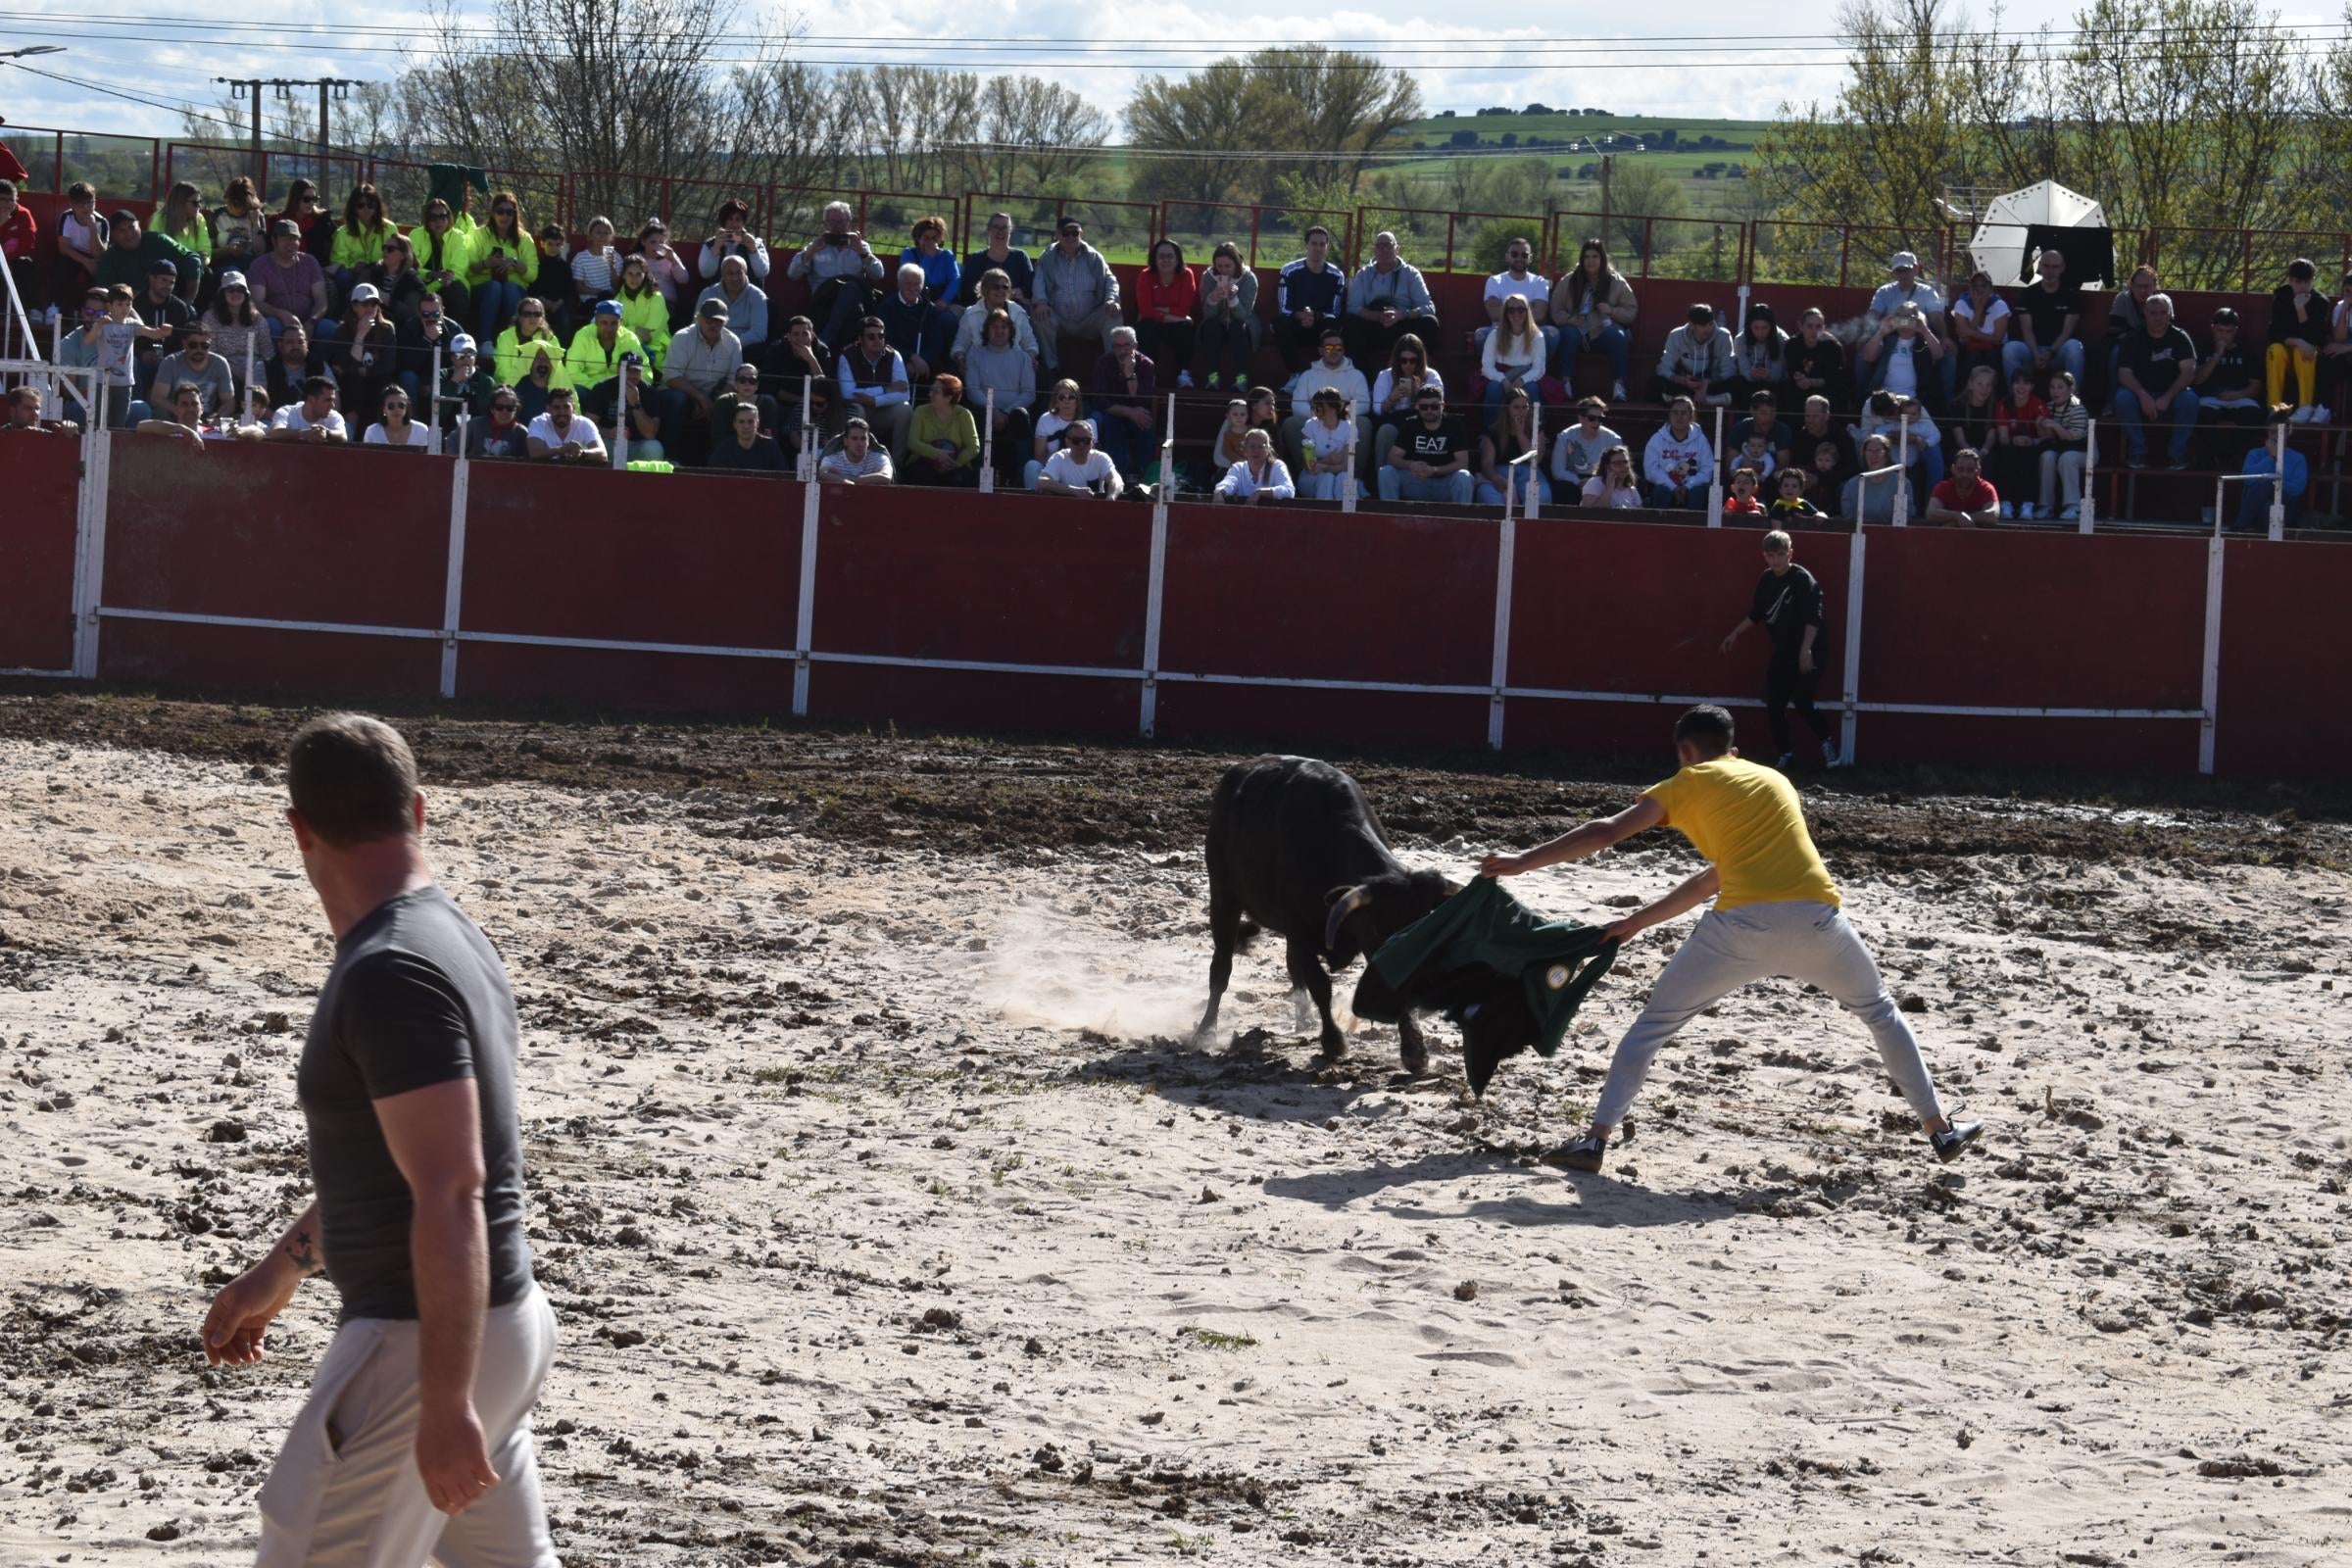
<point>1746,821</point>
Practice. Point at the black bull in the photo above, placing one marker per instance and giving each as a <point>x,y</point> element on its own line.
<point>1294,847</point>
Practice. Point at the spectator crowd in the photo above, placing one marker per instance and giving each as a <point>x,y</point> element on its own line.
<point>476,331</point>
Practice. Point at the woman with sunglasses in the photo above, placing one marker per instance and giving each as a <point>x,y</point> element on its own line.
<point>396,430</point>
<point>394,275</point>
<point>360,239</point>
<point>504,265</point>
<point>511,353</point>
<point>1516,351</point>
<point>1512,435</point>
<point>1397,387</point>
<point>501,435</point>
<point>366,356</point>
<point>443,252</point>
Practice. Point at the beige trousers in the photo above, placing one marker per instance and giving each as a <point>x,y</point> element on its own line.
<point>345,1492</point>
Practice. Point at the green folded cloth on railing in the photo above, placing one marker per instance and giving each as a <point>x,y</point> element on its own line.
<point>650,466</point>
<point>1491,966</point>
<point>446,182</point>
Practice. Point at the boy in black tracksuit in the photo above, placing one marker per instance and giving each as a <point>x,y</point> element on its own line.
<point>1788,604</point>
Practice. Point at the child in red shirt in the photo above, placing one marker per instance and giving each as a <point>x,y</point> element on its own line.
<point>1742,502</point>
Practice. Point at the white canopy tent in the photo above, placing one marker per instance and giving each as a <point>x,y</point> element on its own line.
<point>2000,244</point>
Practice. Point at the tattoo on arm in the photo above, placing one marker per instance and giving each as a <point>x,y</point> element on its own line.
<point>302,1248</point>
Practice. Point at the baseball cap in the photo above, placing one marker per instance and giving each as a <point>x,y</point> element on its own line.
<point>162,264</point>
<point>285,225</point>
<point>1070,226</point>
<point>233,278</point>
<point>461,344</point>
<point>631,356</point>
<point>1901,259</point>
<point>708,308</point>
<point>608,307</point>
<point>366,291</point>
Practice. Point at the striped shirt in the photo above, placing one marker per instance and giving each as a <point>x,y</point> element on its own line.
<point>841,465</point>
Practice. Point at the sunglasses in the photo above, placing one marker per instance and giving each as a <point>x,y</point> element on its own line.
<point>505,408</point>
<point>503,212</point>
<point>534,314</point>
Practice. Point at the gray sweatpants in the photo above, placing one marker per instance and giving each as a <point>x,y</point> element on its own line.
<point>345,1492</point>
<point>1810,942</point>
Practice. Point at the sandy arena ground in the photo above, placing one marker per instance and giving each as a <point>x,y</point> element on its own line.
<point>889,1219</point>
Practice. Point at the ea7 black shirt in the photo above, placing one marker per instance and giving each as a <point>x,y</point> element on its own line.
<point>417,997</point>
<point>1424,445</point>
<point>1786,604</point>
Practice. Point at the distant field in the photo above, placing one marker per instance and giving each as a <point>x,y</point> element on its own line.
<point>1491,127</point>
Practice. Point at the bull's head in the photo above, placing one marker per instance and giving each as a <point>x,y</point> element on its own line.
<point>1361,917</point>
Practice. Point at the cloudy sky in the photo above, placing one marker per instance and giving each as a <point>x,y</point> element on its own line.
<point>1712,60</point>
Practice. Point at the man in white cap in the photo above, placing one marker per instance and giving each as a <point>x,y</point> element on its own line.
<point>1905,289</point>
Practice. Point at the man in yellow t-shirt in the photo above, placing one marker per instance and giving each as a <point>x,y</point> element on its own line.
<point>1776,912</point>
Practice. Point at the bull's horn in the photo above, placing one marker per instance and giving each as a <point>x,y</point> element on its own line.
<point>1346,905</point>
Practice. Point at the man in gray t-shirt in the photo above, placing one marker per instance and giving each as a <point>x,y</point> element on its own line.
<point>197,365</point>
<point>416,1438</point>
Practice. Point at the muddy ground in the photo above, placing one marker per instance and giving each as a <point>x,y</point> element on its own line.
<point>890,1216</point>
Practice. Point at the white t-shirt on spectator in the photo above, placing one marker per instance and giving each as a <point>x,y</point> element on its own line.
<point>1531,288</point>
<point>1902,366</point>
<point>418,436</point>
<point>1064,468</point>
<point>1965,309</point>
<point>291,417</point>
<point>584,432</point>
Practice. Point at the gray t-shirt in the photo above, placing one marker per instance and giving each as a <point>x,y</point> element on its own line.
<point>417,997</point>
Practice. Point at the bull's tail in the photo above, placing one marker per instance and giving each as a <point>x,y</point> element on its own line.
<point>1245,936</point>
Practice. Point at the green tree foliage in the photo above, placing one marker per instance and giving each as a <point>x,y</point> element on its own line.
<point>2171,113</point>
<point>1203,137</point>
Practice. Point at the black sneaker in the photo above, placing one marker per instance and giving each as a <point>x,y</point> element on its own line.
<point>1577,1153</point>
<point>1955,1138</point>
<point>1786,763</point>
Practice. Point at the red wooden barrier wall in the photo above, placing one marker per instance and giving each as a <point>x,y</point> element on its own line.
<point>1638,608</point>
<point>1328,596</point>
<point>348,537</point>
<point>690,560</point>
<point>1974,617</point>
<point>995,580</point>
<point>1044,605</point>
<point>40,478</point>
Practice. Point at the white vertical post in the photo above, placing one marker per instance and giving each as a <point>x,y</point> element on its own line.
<point>2214,547</point>
<point>453,587</point>
<point>245,389</point>
<point>1167,453</point>
<point>89,551</point>
<point>1507,550</point>
<point>1902,470</point>
<point>1715,479</point>
<point>432,394</point>
<point>988,441</point>
<point>805,465</point>
<point>54,406</point>
<point>1847,723</point>
<point>1155,594</point>
<point>620,419</point>
<point>1356,457</point>
<point>1535,477</point>
<point>804,624</point>
<point>2090,470</point>
<point>1739,332</point>
<point>2278,482</point>
<point>2220,501</point>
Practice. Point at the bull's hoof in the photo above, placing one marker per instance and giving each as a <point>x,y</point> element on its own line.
<point>1414,1059</point>
<point>1335,1044</point>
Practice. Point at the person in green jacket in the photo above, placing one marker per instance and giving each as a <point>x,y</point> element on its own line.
<point>1777,913</point>
<point>643,310</point>
<point>511,357</point>
<point>943,443</point>
<point>360,239</point>
<point>596,349</point>
<point>444,253</point>
<point>185,224</point>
